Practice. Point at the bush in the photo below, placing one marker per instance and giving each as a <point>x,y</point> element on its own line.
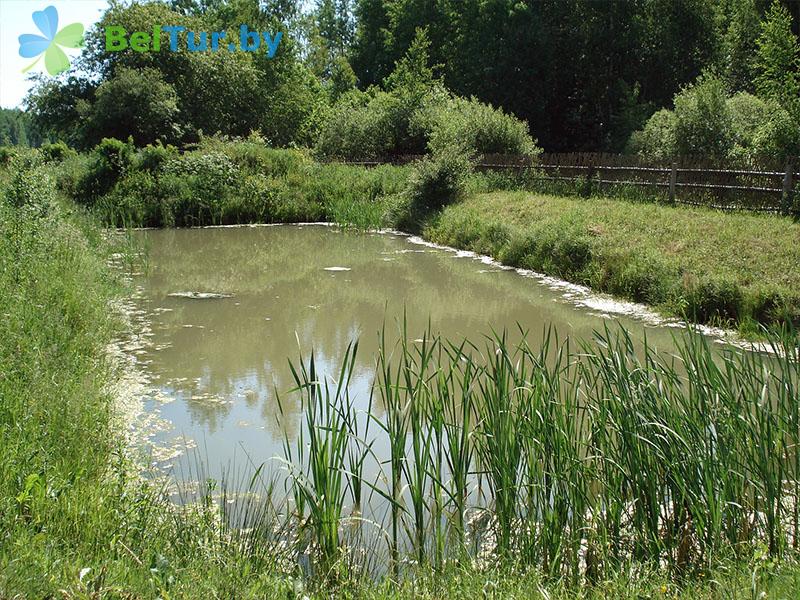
<point>416,114</point>
<point>152,157</point>
<point>380,124</point>
<point>476,126</point>
<point>657,140</point>
<point>210,174</point>
<point>254,155</point>
<point>110,160</point>
<point>707,123</point>
<point>30,189</point>
<point>56,152</point>
<point>363,126</point>
<point>703,124</point>
<point>762,129</point>
<point>7,154</point>
<point>437,181</point>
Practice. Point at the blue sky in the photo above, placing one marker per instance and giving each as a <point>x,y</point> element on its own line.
<point>15,19</point>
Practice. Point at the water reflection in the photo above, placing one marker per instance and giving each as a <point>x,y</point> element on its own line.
<point>223,360</point>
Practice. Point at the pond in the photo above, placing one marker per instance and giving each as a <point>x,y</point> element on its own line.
<point>226,308</point>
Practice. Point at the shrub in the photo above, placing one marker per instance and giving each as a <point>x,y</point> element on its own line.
<point>255,201</point>
<point>210,174</point>
<point>657,140</point>
<point>363,126</point>
<point>379,124</point>
<point>7,154</point>
<point>110,160</point>
<point>762,129</point>
<point>703,123</point>
<point>134,201</point>
<point>437,181</point>
<point>254,155</point>
<point>476,126</point>
<point>71,174</point>
<point>152,157</point>
<point>30,188</point>
<point>56,152</point>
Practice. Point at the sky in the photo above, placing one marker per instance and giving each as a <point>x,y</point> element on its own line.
<point>16,19</point>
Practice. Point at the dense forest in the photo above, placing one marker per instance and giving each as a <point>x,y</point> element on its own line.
<point>658,77</point>
<point>16,129</point>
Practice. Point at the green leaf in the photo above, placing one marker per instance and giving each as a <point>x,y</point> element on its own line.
<point>55,60</point>
<point>70,36</point>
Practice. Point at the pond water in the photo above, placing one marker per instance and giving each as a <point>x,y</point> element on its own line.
<point>225,308</point>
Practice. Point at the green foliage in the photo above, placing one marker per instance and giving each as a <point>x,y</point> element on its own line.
<point>778,60</point>
<point>561,67</point>
<point>110,160</point>
<point>477,127</point>
<point>18,129</point>
<point>154,156</point>
<point>762,129</point>
<point>361,126</point>
<point>739,45</point>
<point>225,182</point>
<point>707,123</point>
<point>7,154</point>
<point>56,152</point>
<point>136,103</point>
<point>656,141</point>
<point>435,182</point>
<point>702,120</point>
<point>415,115</point>
<point>176,96</point>
<point>30,189</point>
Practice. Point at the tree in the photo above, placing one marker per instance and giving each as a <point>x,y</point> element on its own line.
<point>232,93</point>
<point>370,54</point>
<point>739,45</point>
<point>778,60</point>
<point>136,103</point>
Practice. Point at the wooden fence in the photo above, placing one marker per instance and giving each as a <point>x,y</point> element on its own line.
<point>761,186</point>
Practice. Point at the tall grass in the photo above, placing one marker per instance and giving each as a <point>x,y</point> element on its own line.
<point>576,462</point>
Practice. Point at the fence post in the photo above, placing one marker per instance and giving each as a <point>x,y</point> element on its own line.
<point>786,196</point>
<point>673,180</point>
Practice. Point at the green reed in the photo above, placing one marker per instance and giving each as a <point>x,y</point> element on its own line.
<point>592,459</point>
<point>318,466</point>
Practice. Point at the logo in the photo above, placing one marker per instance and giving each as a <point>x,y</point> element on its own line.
<point>142,41</point>
<point>50,42</point>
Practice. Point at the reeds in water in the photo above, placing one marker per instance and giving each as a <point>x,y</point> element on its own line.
<point>572,462</point>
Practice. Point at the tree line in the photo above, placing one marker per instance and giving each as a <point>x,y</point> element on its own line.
<point>636,75</point>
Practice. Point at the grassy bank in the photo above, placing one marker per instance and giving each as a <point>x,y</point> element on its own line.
<point>733,269</point>
<point>75,521</point>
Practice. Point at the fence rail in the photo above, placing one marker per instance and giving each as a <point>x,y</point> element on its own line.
<point>761,186</point>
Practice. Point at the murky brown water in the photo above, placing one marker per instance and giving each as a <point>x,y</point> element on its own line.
<point>215,363</point>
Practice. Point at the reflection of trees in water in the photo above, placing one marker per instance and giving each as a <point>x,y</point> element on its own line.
<point>233,351</point>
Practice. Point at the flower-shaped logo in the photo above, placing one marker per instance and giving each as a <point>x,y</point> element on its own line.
<point>50,42</point>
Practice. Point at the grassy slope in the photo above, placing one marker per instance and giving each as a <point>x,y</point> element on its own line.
<point>67,501</point>
<point>714,266</point>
